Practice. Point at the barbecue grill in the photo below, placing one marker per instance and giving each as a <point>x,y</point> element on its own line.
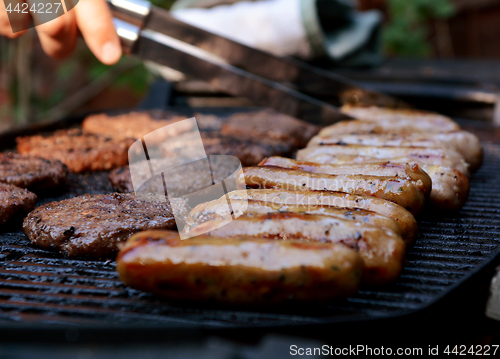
<point>43,290</point>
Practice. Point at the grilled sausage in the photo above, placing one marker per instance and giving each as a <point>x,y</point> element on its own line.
<point>466,143</point>
<point>400,191</point>
<point>419,121</point>
<point>358,126</point>
<point>389,169</point>
<point>216,209</point>
<point>238,270</point>
<point>336,199</point>
<point>381,249</point>
<point>433,156</point>
<point>333,159</point>
<point>450,187</point>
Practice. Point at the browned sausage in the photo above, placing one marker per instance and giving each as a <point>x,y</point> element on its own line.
<point>381,249</point>
<point>431,156</point>
<point>450,187</point>
<point>400,191</point>
<point>238,270</point>
<point>336,199</point>
<point>399,120</point>
<point>388,169</point>
<point>216,209</point>
<point>467,144</point>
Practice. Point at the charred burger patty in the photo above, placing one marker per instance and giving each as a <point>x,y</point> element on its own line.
<point>94,225</point>
<point>31,172</point>
<point>14,201</point>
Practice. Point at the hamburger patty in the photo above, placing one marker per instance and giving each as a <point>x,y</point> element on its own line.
<point>138,124</point>
<point>31,172</point>
<point>14,201</point>
<point>185,179</point>
<point>250,151</point>
<point>121,180</point>
<point>131,125</point>
<point>94,225</point>
<point>78,150</point>
<point>270,124</point>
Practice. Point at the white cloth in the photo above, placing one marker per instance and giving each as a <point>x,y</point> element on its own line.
<point>272,25</point>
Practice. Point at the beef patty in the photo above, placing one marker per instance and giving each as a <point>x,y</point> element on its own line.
<point>186,179</point>
<point>250,151</point>
<point>78,150</point>
<point>14,201</point>
<point>131,125</point>
<point>94,225</point>
<point>270,124</point>
<point>31,172</point>
<point>121,180</point>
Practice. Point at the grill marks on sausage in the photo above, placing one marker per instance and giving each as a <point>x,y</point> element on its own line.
<point>400,191</point>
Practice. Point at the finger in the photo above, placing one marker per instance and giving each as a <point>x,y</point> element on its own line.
<point>13,20</point>
<point>58,36</point>
<point>94,20</point>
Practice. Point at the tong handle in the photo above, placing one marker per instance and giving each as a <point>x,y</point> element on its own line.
<point>129,17</point>
<point>127,33</point>
<point>131,11</point>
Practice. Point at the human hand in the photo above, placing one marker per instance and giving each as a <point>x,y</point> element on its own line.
<point>58,36</point>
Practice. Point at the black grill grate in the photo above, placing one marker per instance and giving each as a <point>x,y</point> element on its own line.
<point>41,286</point>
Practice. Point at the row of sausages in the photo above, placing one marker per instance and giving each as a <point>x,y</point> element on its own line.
<point>341,215</point>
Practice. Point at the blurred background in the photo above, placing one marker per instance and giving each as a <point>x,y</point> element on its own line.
<point>34,87</point>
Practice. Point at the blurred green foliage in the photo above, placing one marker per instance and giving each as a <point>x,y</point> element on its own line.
<point>408,29</point>
<point>138,78</point>
<point>166,4</point>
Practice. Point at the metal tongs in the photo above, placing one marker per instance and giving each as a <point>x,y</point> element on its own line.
<point>288,85</point>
